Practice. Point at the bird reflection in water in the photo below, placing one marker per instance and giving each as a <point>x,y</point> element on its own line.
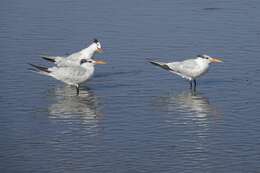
<point>189,114</point>
<point>68,106</point>
<point>189,102</point>
<point>195,103</point>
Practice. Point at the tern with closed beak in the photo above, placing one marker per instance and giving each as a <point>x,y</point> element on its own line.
<point>74,59</point>
<point>71,75</point>
<point>190,69</point>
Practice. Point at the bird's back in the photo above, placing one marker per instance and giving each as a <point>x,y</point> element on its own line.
<point>188,68</point>
<point>72,75</point>
<point>74,58</point>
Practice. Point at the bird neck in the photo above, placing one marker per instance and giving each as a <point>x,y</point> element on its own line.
<point>204,62</point>
<point>89,52</point>
<point>88,67</point>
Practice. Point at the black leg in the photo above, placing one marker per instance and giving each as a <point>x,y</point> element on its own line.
<point>195,83</point>
<point>77,89</point>
<point>190,84</point>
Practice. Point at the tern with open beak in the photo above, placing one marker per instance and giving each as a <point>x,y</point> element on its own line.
<point>74,59</point>
<point>190,69</point>
<point>71,75</point>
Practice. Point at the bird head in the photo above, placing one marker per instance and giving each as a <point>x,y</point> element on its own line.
<point>90,62</point>
<point>98,47</point>
<point>209,59</point>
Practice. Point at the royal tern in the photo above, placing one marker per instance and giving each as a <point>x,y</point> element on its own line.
<point>74,59</point>
<point>71,75</point>
<point>190,69</point>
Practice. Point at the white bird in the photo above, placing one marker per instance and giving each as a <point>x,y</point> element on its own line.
<point>71,75</point>
<point>74,59</point>
<point>190,69</point>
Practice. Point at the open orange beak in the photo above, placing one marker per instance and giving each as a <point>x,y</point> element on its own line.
<point>100,50</point>
<point>216,60</point>
<point>100,62</point>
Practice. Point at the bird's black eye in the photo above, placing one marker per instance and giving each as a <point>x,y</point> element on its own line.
<point>83,61</point>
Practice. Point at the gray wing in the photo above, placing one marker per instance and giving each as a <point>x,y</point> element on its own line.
<point>75,56</point>
<point>71,60</point>
<point>71,72</point>
<point>185,68</point>
<point>52,58</point>
<point>68,74</point>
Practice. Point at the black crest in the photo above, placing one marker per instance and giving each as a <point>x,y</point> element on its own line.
<point>95,40</point>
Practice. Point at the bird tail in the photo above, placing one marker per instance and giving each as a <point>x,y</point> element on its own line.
<point>160,64</point>
<point>48,58</point>
<point>39,69</point>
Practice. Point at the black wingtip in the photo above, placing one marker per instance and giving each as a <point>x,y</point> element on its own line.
<point>45,69</point>
<point>154,63</point>
<point>48,59</point>
<point>164,66</point>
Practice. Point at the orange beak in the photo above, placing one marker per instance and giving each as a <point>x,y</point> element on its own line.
<point>216,60</point>
<point>100,62</point>
<point>100,50</point>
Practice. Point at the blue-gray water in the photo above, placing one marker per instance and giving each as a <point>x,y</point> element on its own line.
<point>132,116</point>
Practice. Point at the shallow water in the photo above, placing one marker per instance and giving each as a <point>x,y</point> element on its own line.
<point>132,116</point>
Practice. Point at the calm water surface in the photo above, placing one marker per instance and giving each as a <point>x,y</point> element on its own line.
<point>132,116</point>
